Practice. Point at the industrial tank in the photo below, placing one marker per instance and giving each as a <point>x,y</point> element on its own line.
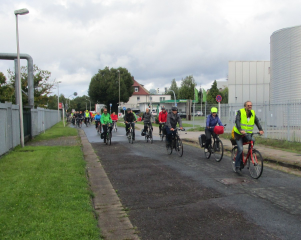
<point>285,67</point>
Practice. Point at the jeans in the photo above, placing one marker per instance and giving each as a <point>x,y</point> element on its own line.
<point>239,143</point>
<point>169,134</point>
<point>146,124</point>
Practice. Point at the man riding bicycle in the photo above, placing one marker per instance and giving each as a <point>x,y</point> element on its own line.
<point>87,117</point>
<point>211,122</point>
<point>129,119</point>
<point>171,124</point>
<point>105,119</point>
<point>148,119</point>
<point>244,124</point>
<point>162,120</point>
<point>97,121</point>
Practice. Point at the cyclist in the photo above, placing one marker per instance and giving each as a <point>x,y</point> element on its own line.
<point>162,119</point>
<point>91,116</point>
<point>171,124</point>
<point>148,119</point>
<point>105,119</point>
<point>211,122</point>
<point>114,118</point>
<point>129,119</point>
<point>97,121</point>
<point>244,124</point>
<point>80,117</point>
<point>87,117</point>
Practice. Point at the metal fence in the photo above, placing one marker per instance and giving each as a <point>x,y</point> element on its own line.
<point>279,121</point>
<point>35,122</point>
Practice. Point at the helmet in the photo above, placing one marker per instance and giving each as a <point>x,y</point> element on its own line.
<point>174,109</point>
<point>163,108</point>
<point>128,109</point>
<point>214,110</point>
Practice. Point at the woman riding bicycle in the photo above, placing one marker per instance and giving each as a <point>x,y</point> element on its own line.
<point>212,121</point>
<point>114,118</point>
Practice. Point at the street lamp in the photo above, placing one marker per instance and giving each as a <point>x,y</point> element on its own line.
<point>58,100</point>
<point>174,96</point>
<point>22,11</point>
<point>90,104</point>
<point>119,92</point>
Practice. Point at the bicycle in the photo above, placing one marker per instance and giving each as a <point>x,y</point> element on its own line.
<point>109,134</point>
<point>162,134</point>
<point>115,126</point>
<point>130,135</point>
<point>253,160</point>
<point>149,133</point>
<point>217,148</point>
<point>176,143</point>
<point>79,122</point>
<point>87,121</point>
<point>98,127</point>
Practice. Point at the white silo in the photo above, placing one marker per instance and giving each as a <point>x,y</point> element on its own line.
<point>285,65</point>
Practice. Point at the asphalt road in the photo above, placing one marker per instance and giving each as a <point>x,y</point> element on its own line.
<point>191,197</point>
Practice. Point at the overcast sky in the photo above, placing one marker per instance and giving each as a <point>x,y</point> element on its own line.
<point>156,40</point>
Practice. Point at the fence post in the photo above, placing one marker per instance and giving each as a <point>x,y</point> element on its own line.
<point>288,123</point>
<point>266,120</point>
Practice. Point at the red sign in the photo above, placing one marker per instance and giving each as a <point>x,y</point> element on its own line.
<point>60,105</point>
<point>218,98</point>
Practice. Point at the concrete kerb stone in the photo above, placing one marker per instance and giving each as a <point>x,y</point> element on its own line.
<point>112,220</point>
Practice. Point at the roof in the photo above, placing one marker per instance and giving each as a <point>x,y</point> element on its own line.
<point>141,89</point>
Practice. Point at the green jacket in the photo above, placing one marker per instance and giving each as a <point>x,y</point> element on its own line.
<point>105,118</point>
<point>135,116</point>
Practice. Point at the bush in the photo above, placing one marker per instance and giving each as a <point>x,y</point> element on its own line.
<point>157,119</point>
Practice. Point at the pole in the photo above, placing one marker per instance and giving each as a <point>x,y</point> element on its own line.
<point>58,102</point>
<point>63,115</point>
<point>86,105</point>
<point>20,86</point>
<point>119,91</point>
<point>193,108</point>
<point>219,109</point>
<point>174,96</point>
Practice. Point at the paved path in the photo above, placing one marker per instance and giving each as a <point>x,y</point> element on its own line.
<point>168,197</point>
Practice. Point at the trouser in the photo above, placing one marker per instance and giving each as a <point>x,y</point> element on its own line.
<point>161,127</point>
<point>239,143</point>
<point>127,126</point>
<point>169,134</point>
<point>105,130</point>
<point>96,124</point>
<point>208,134</point>
<point>86,120</point>
<point>146,124</point>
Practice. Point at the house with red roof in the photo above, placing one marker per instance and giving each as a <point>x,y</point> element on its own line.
<point>142,99</point>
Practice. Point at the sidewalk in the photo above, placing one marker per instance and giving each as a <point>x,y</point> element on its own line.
<point>284,158</point>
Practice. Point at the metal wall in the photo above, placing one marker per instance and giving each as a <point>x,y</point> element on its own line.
<point>285,64</point>
<point>279,121</point>
<point>10,127</point>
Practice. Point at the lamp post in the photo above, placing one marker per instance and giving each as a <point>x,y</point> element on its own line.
<point>58,101</point>
<point>22,11</point>
<point>90,104</point>
<point>174,96</point>
<point>119,91</point>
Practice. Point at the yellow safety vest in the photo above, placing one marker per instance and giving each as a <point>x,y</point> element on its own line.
<point>87,114</point>
<point>245,125</point>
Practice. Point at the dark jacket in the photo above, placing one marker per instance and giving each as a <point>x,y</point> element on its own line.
<point>147,117</point>
<point>129,117</point>
<point>237,122</point>
<point>172,120</point>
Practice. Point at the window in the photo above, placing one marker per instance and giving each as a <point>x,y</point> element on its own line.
<point>136,89</point>
<point>151,98</point>
<point>162,99</point>
<point>138,98</point>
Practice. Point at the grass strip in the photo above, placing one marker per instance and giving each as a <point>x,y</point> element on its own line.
<point>58,130</point>
<point>197,129</point>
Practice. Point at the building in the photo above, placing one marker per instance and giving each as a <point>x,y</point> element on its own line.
<point>221,85</point>
<point>142,99</point>
<point>249,80</point>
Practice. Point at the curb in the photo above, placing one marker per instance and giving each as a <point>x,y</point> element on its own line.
<point>265,158</point>
<point>112,219</point>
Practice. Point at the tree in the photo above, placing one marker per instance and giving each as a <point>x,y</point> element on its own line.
<point>42,85</point>
<point>6,92</point>
<point>186,90</point>
<point>213,92</point>
<point>175,88</point>
<point>224,94</point>
<point>104,86</point>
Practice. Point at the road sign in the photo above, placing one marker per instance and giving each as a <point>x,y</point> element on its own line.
<point>218,98</point>
<point>124,108</point>
<point>60,105</point>
<point>176,105</point>
<point>110,104</point>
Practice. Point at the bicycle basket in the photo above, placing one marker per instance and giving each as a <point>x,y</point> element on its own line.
<point>218,130</point>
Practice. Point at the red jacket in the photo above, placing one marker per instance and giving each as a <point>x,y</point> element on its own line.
<point>163,116</point>
<point>114,117</point>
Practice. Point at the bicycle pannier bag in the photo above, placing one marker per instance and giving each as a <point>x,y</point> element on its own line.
<point>102,135</point>
<point>202,140</point>
<point>218,130</point>
<point>142,132</point>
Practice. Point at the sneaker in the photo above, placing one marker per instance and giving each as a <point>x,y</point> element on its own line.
<point>237,169</point>
<point>242,166</point>
<point>206,150</point>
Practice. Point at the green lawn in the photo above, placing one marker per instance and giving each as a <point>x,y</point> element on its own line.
<point>44,193</point>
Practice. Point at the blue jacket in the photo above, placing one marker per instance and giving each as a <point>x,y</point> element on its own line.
<point>212,122</point>
<point>97,117</point>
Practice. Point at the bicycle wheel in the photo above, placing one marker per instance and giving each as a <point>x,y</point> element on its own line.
<point>218,149</point>
<point>255,166</point>
<point>151,136</point>
<point>233,157</point>
<point>132,137</point>
<point>110,138</point>
<point>208,154</point>
<point>179,147</point>
<point>169,149</point>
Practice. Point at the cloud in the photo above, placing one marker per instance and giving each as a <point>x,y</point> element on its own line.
<point>156,41</point>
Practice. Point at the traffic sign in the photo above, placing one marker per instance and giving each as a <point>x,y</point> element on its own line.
<point>176,105</point>
<point>110,104</point>
<point>60,105</point>
<point>124,108</point>
<point>218,98</point>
